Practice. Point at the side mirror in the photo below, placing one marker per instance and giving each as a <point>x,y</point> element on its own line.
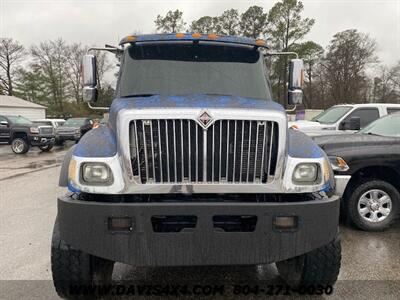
<point>296,80</point>
<point>88,78</point>
<point>4,123</point>
<point>355,123</point>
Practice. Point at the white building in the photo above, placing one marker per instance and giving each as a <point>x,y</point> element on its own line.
<point>13,106</point>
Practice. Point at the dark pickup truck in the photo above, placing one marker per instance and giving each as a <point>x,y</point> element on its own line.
<point>21,133</point>
<point>367,172</point>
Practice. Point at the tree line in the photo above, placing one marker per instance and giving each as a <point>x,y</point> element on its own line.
<point>49,72</point>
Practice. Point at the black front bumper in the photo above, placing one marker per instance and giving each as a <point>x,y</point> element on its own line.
<point>84,225</point>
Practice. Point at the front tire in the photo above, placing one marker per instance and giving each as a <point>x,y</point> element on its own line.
<point>373,205</point>
<point>73,267</point>
<point>318,267</point>
<point>19,146</point>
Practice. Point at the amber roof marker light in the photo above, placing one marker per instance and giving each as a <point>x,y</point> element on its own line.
<point>180,35</point>
<point>260,42</point>
<point>130,38</point>
<point>212,36</point>
<point>196,35</point>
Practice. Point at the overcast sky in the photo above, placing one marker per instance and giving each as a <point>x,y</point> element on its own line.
<point>96,22</point>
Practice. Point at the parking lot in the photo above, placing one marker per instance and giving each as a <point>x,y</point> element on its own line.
<point>28,192</point>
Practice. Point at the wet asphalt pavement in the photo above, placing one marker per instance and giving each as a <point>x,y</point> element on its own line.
<point>28,192</point>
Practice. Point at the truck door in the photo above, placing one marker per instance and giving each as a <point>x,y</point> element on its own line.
<point>366,115</point>
<point>4,130</point>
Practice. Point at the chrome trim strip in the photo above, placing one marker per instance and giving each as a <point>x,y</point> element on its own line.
<point>204,155</point>
<point>152,149</point>
<point>159,148</point>
<point>248,153</point>
<point>175,164</point>
<point>255,158</point>
<point>189,152</point>
<point>241,152</point>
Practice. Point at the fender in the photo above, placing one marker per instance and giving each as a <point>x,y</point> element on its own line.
<point>302,146</point>
<point>63,180</point>
<point>98,142</point>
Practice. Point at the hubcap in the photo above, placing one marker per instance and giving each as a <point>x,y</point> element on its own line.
<point>18,146</point>
<point>375,206</point>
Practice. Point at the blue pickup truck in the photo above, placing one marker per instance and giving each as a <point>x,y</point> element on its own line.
<point>196,166</point>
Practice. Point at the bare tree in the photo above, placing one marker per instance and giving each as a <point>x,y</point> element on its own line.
<point>385,86</point>
<point>74,60</point>
<point>348,55</point>
<point>11,55</point>
<point>50,58</point>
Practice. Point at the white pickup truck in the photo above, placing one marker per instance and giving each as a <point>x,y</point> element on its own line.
<point>344,118</point>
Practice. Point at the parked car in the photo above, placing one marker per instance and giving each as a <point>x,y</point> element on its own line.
<point>55,123</point>
<point>345,118</point>
<point>367,172</point>
<point>73,129</point>
<point>22,133</point>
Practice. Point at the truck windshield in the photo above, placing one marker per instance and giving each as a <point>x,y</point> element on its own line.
<point>332,115</point>
<point>18,120</point>
<point>189,68</point>
<point>74,122</point>
<point>388,126</point>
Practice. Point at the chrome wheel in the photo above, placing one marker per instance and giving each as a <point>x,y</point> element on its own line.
<point>375,205</point>
<point>18,146</point>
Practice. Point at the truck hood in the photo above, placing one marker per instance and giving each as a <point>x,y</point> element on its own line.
<point>305,126</point>
<point>333,144</point>
<point>189,101</point>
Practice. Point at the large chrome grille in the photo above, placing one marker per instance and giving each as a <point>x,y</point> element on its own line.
<point>181,151</point>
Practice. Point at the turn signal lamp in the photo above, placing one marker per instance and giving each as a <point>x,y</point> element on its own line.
<point>72,170</point>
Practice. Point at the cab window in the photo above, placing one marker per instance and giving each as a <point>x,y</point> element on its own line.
<point>366,115</point>
<point>392,110</point>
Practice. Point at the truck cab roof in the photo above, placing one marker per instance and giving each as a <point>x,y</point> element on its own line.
<point>172,37</point>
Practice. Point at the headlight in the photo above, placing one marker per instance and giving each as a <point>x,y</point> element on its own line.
<point>77,130</point>
<point>96,173</point>
<point>338,163</point>
<point>305,173</point>
<point>34,130</point>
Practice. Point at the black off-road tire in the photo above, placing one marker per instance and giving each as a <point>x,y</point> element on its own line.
<point>23,143</point>
<point>351,204</point>
<point>46,148</point>
<point>319,267</point>
<point>73,267</point>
